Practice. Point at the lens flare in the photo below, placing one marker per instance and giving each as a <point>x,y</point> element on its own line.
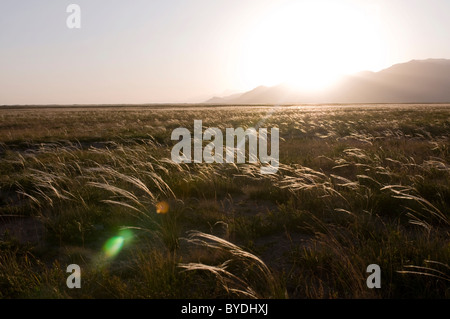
<point>115,244</point>
<point>162,207</point>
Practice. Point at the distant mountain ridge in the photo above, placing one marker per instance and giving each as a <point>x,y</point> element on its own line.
<point>416,81</point>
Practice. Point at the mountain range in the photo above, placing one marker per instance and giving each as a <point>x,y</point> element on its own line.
<point>416,81</point>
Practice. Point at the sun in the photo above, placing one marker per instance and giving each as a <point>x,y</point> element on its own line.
<point>309,45</point>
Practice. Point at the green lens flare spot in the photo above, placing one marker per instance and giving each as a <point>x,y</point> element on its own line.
<point>113,246</point>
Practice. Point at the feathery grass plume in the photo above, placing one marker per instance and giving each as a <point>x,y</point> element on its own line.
<point>436,272</point>
<point>166,227</point>
<point>344,268</point>
<point>427,209</point>
<point>304,179</point>
<point>243,274</point>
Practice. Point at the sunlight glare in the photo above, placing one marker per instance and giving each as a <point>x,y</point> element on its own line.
<point>309,45</point>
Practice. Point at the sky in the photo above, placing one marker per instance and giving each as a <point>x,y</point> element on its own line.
<point>177,51</point>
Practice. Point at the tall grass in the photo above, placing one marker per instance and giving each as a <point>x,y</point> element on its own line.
<point>242,273</point>
<point>356,186</point>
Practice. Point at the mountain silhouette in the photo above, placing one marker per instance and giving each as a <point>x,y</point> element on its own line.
<point>417,81</point>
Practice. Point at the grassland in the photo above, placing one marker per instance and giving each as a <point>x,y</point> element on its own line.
<point>357,185</point>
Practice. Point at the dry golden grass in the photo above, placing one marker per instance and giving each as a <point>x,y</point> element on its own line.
<point>357,185</point>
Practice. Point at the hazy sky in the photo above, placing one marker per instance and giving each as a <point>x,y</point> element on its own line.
<point>143,51</point>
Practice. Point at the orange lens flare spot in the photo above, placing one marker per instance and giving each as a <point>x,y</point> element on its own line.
<point>162,208</point>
